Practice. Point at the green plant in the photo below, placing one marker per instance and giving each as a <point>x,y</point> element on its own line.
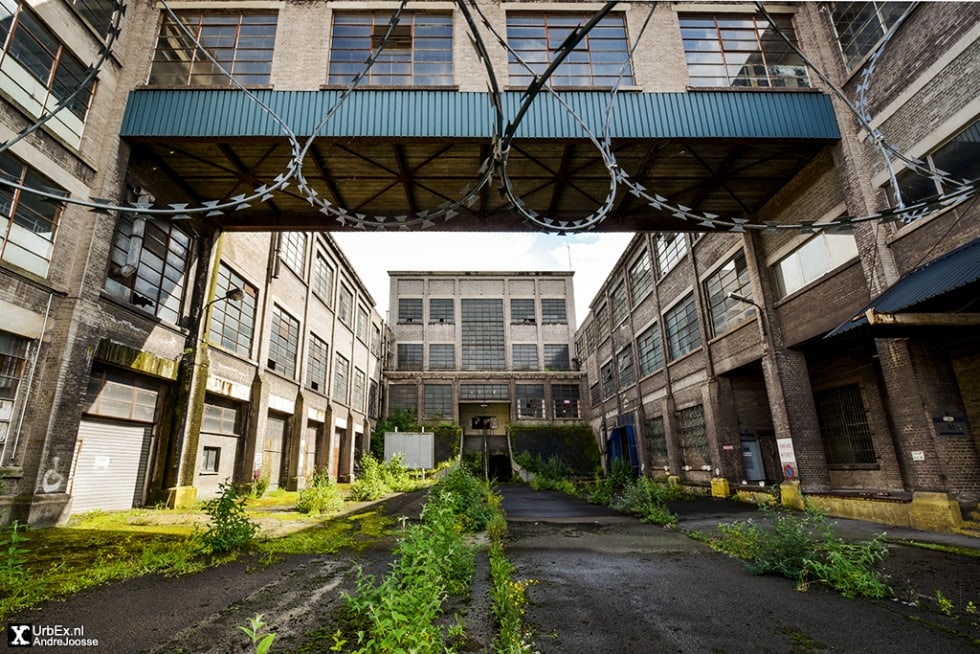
<point>648,499</point>
<point>509,598</point>
<point>260,485</point>
<point>945,605</point>
<point>322,495</point>
<point>254,629</point>
<point>230,529</point>
<point>11,558</point>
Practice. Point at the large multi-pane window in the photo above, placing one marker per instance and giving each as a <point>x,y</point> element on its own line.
<point>958,159</point>
<point>627,370</point>
<point>641,277</point>
<point>812,260</point>
<point>861,25</point>
<point>283,342</point>
<point>437,401</point>
<point>602,322</point>
<point>670,249</point>
<point>402,398</point>
<point>442,356</point>
<point>731,277</point>
<point>741,50</point>
<point>522,311</point>
<point>556,357</point>
<point>27,221</point>
<point>595,394</point>
<point>241,42</point>
<point>681,321</point>
<point>372,407</point>
<point>600,59</point>
<point>292,251</point>
<point>418,51</point>
<point>362,324</point>
<point>656,440</point>
<point>345,306</point>
<point>410,310</point>
<point>56,72</point>
<point>482,334</point>
<point>620,306</point>
<point>323,279</point>
<point>525,356</point>
<point>692,434</point>
<point>357,390</point>
<point>441,310</point>
<point>530,400</point>
<point>341,378</point>
<point>232,323</point>
<point>484,392</point>
<point>565,398</point>
<point>148,264</point>
<point>608,379</point>
<point>409,356</point>
<point>650,351</point>
<point>553,311</point>
<point>13,356</point>
<point>317,364</point>
<point>844,426</point>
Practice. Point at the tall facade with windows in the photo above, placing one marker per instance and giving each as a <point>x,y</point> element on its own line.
<point>811,357</point>
<point>484,350</point>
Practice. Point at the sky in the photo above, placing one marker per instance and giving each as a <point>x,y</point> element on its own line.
<point>591,256</point>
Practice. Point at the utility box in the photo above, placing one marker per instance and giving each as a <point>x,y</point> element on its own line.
<point>417,449</point>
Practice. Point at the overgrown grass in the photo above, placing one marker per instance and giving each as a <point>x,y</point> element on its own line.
<point>802,546</point>
<point>380,478</point>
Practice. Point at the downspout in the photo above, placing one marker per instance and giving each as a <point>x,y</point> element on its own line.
<point>30,384</point>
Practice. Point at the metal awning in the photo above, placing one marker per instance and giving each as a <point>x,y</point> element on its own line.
<point>940,293</point>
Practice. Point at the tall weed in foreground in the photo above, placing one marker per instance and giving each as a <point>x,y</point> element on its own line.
<point>804,548</point>
<point>12,555</point>
<point>230,529</point>
<point>322,495</point>
<point>648,499</point>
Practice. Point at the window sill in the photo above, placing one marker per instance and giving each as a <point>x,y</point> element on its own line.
<point>389,87</point>
<point>754,89</point>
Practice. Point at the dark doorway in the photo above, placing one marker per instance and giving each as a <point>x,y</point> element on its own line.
<point>499,467</point>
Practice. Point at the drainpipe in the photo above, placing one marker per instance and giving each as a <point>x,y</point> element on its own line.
<point>30,384</point>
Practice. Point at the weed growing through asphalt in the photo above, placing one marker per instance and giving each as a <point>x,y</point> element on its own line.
<point>255,630</point>
<point>802,546</point>
<point>378,479</point>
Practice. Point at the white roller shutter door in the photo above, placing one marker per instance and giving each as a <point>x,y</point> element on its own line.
<point>110,465</point>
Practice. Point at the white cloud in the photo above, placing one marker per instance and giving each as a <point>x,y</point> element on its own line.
<point>591,256</point>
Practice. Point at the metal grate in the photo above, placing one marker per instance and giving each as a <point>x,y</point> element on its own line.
<point>844,426</point>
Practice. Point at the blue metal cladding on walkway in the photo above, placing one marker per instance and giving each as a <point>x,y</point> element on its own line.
<point>194,113</point>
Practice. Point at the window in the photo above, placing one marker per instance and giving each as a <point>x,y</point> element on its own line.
<point>292,251</point>
<point>13,355</point>
<point>372,408</point>
<point>656,440</point>
<point>323,280</point>
<point>525,356</point>
<point>553,312</point>
<point>418,52</point>
<point>627,371</point>
<point>210,459</point>
<point>620,305</point>
<point>693,437</point>
<point>602,322</point>
<point>530,400</point>
<point>608,380</point>
<point>556,357</point>
<point>670,249</point>
<point>566,400</point>
<point>317,363</point>
<point>40,54</point>
<point>732,277</point>
<point>409,356</point>
<point>861,25</point>
<point>121,394</point>
<point>97,13</point>
<point>346,305</point>
<point>442,356</point>
<point>147,265</point>
<point>844,426</point>
<point>222,416</point>
<point>233,323</point>
<point>641,277</point>
<point>740,50</point>
<point>27,221</point>
<point>596,61</point>
<point>357,390</point>
<point>522,311</point>
<point>484,392</point>
<point>283,342</point>
<point>958,159</point>
<point>375,339</point>
<point>441,310</point>
<point>681,322</point>
<point>595,394</point>
<point>650,351</point>
<point>814,259</point>
<point>341,378</point>
<point>241,42</point>
<point>483,334</point>
<point>362,324</point>
<point>437,401</point>
<point>402,398</point>
<point>410,310</point>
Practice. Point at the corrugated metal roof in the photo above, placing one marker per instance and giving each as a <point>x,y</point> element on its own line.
<point>155,113</point>
<point>953,270</point>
